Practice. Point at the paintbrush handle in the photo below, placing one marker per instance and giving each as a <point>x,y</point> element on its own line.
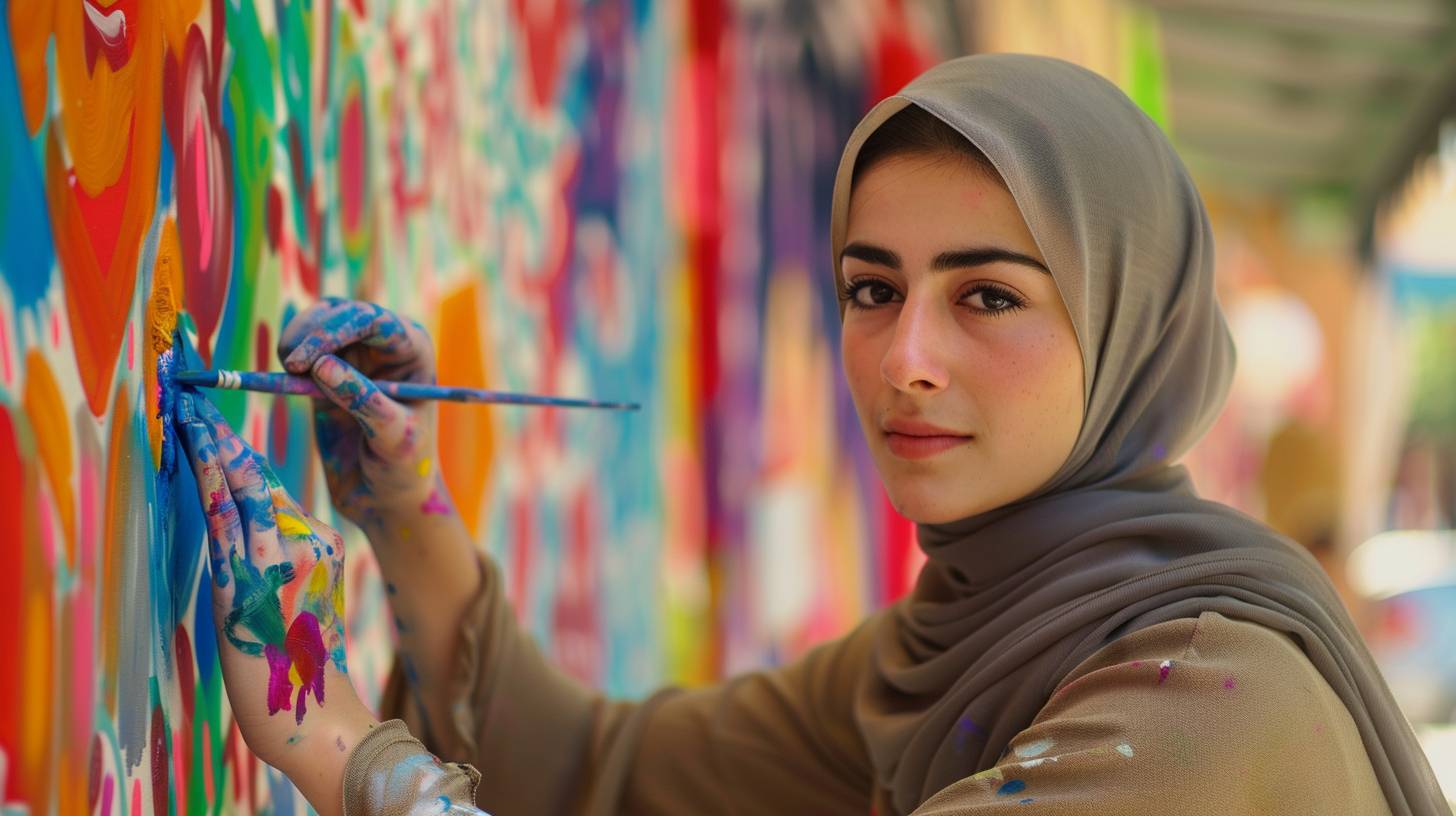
<point>279,383</point>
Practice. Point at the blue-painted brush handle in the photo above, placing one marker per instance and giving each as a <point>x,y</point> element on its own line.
<point>279,383</point>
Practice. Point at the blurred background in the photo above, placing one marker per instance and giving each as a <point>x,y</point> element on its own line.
<point>629,199</point>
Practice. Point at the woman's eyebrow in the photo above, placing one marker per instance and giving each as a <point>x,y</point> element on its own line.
<point>951,259</point>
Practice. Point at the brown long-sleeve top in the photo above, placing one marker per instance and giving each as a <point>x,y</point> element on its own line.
<point>1208,715</point>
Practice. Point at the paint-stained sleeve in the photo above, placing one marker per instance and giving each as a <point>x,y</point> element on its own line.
<point>1196,716</point>
<point>773,741</point>
<point>390,773</point>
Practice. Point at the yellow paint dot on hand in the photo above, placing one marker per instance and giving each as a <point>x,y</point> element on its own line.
<point>292,526</point>
<point>424,468</point>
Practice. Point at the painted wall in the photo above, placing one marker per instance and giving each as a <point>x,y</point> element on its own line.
<point>623,199</point>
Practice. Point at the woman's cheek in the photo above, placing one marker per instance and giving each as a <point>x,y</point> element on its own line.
<point>861,363</point>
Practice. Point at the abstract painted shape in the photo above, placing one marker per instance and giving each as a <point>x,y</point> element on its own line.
<point>101,188</point>
<point>25,226</point>
<point>204,223</point>
<point>46,409</point>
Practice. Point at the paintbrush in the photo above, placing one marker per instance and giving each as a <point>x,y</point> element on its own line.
<point>279,383</point>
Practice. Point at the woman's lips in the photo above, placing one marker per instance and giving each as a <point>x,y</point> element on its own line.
<point>909,446</point>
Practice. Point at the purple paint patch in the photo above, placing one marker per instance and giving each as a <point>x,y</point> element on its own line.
<point>1164,669</point>
<point>965,727</point>
<point>1228,683</point>
<point>279,686</point>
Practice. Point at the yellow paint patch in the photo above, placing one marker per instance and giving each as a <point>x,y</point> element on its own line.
<point>989,773</point>
<point>339,603</point>
<point>318,581</point>
<point>424,468</point>
<point>292,526</point>
<point>293,676</point>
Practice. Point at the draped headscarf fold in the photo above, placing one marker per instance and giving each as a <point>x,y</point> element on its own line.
<point>1012,599</point>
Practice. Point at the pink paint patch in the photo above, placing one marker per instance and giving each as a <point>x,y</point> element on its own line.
<point>136,796</point>
<point>434,504</point>
<point>106,789</point>
<point>199,177</point>
<point>1228,683</point>
<point>1137,664</point>
<point>207,763</point>
<point>56,329</point>
<point>179,769</point>
<point>256,439</point>
<point>1319,729</point>
<point>5,352</point>
<point>131,347</point>
<point>1164,669</point>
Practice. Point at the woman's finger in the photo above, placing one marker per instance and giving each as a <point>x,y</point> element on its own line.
<point>305,323</point>
<point>224,525</point>
<point>244,470</point>
<point>384,421</point>
<point>343,325</point>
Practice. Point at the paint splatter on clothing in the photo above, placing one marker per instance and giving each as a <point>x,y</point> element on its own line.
<point>391,774</point>
<point>1191,716</point>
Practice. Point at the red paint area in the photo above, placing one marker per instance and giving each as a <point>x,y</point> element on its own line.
<point>117,47</point>
<point>12,477</point>
<point>159,762</point>
<point>544,27</point>
<point>204,182</point>
<point>352,173</point>
<point>305,647</point>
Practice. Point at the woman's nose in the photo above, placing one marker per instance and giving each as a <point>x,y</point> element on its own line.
<point>915,359</point>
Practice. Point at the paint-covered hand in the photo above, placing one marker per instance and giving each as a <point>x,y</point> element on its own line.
<point>278,598</point>
<point>378,454</point>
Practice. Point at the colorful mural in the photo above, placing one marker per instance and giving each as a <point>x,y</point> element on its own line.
<point>618,199</point>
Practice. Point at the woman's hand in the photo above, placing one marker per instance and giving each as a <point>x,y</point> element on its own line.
<point>379,457</point>
<point>378,454</point>
<point>278,602</point>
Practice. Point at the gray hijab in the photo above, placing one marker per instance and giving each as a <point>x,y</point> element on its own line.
<point>1012,599</point>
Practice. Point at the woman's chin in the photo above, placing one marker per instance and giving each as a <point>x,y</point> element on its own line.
<point>927,503</point>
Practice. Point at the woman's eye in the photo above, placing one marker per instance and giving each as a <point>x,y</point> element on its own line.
<point>992,300</point>
<point>870,293</point>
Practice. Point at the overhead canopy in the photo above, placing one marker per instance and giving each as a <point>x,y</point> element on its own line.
<point>1298,97</point>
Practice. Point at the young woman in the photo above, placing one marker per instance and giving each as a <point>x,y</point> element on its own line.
<point>1031,338</point>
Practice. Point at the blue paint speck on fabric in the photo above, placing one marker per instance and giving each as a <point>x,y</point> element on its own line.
<point>1011,786</point>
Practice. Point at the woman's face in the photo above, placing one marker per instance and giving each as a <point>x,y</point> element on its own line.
<point>959,352</point>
